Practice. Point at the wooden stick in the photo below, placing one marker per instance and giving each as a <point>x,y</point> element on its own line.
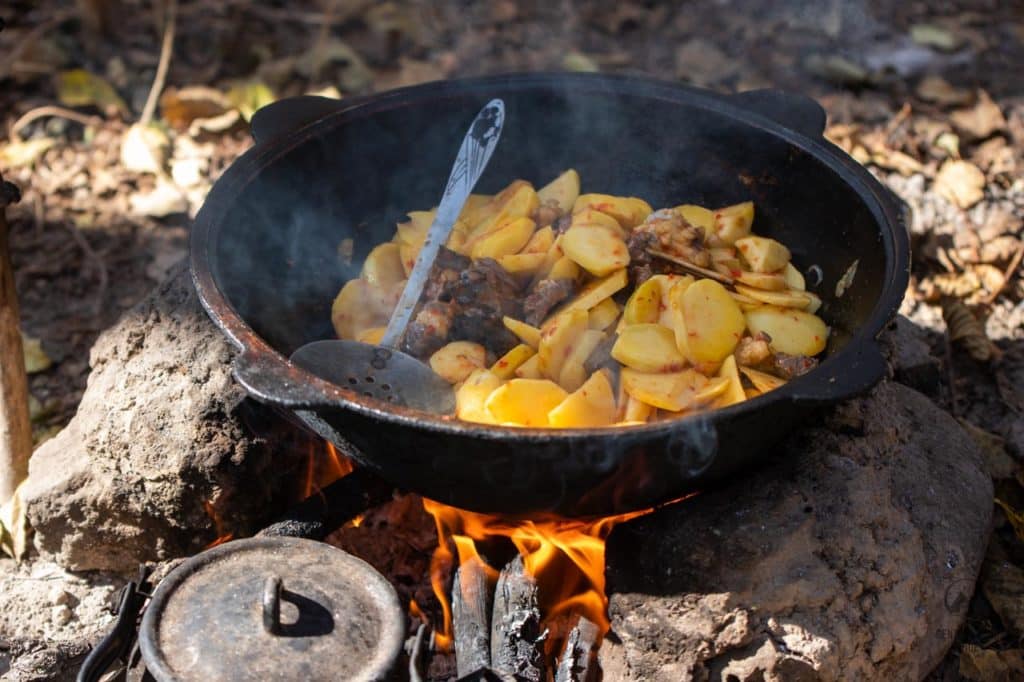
<point>516,637</point>
<point>693,269</point>
<point>170,20</point>
<point>15,427</point>
<point>578,658</point>
<point>470,611</point>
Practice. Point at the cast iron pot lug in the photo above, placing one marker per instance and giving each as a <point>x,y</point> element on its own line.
<point>280,382</point>
<point>288,115</point>
<point>820,387</point>
<point>799,113</point>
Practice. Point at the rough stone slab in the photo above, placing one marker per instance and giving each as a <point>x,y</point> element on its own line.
<point>162,429</point>
<point>851,555</point>
<point>910,357</point>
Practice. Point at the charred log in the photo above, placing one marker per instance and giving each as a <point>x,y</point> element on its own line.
<point>578,658</point>
<point>470,617</point>
<point>516,636</point>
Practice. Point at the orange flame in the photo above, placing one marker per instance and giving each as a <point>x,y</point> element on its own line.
<point>322,470</point>
<point>566,556</point>
<point>218,525</point>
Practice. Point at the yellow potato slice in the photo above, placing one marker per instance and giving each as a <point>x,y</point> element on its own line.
<point>627,211</point>
<point>594,292</point>
<point>752,393</point>
<point>360,306</point>
<point>383,266</point>
<point>698,216</point>
<point>794,332</point>
<point>604,314</point>
<point>722,253</point>
<point>673,391</point>
<point>784,299</point>
<point>373,335</point>
<point>636,410</point>
<point>530,369</point>
<point>455,361</point>
<point>733,392</point>
<point>408,253</point>
<point>414,231</point>
<point>592,404</point>
<point>590,217</point>
<point>794,280</point>
<point>564,268</point>
<point>557,339</point>
<point>815,302</point>
<point>763,254</point>
<point>563,190</point>
<point>767,281</point>
<point>471,210</point>
<point>525,402</point>
<point>573,373</point>
<point>734,222</point>
<point>541,241</point>
<point>518,200</point>
<point>644,306</point>
<point>527,334</point>
<point>648,348</point>
<point>521,264</point>
<point>553,255</point>
<point>471,396</point>
<point>762,381</point>
<point>707,322</point>
<point>595,249</point>
<point>507,364</point>
<point>668,283</point>
<point>505,239</point>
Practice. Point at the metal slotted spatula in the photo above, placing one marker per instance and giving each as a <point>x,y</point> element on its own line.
<point>383,371</point>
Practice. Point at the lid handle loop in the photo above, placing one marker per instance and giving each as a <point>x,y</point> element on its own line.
<point>272,605</point>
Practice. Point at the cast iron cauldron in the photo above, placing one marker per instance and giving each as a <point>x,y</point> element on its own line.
<point>265,256</point>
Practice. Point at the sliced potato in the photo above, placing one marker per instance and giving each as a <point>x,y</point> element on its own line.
<point>414,231</point>
<point>763,254</point>
<point>592,404</point>
<point>564,268</point>
<point>815,302</point>
<point>794,332</point>
<point>522,264</point>
<point>553,255</point>
<point>507,364</point>
<point>604,314</point>
<point>668,283</point>
<point>573,373</point>
<point>767,281</point>
<point>528,334</point>
<point>373,335</point>
<point>455,361</point>
<point>541,241</point>
<point>563,190</point>
<point>471,396</point>
<point>785,299</point>
<point>408,253</point>
<point>505,239</point>
<point>525,402</point>
<point>594,292</point>
<point>636,410</point>
<point>794,280</point>
<point>733,393</point>
<point>673,391</point>
<point>762,381</point>
<point>518,200</point>
<point>557,340</point>
<point>593,218</point>
<point>470,214</point>
<point>734,222</point>
<point>383,266</point>
<point>648,348</point>
<point>644,306</point>
<point>707,322</point>
<point>627,211</point>
<point>595,249</point>
<point>530,369</point>
<point>360,306</point>
<point>698,216</point>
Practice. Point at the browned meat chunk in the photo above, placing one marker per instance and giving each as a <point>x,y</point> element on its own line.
<point>481,296</point>
<point>547,213</point>
<point>429,330</point>
<point>602,356</point>
<point>641,263</point>
<point>562,224</point>
<point>546,295</point>
<point>446,270</point>
<point>752,351</point>
<point>677,237</point>
<point>789,366</point>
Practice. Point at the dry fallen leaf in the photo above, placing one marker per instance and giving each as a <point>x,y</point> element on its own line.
<point>932,35</point>
<point>949,143</point>
<point>577,61</point>
<point>1015,517</point>
<point>164,200</point>
<point>989,665</point>
<point>352,71</point>
<point>80,88</point>
<point>1003,585</point>
<point>964,328</point>
<point>179,107</point>
<point>250,96</point>
<point>16,154</point>
<point>998,462</point>
<point>981,120</point>
<point>14,529</point>
<point>960,182</point>
<point>144,149</point>
<point>995,157</point>
<point>36,359</point>
<point>937,89</point>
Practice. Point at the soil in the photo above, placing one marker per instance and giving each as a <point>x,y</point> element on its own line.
<point>905,86</point>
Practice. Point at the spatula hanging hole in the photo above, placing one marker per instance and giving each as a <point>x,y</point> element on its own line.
<point>369,380</point>
<point>353,381</point>
<point>386,387</point>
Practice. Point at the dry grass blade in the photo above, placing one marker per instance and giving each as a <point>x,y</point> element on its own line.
<point>693,269</point>
<point>966,330</point>
<point>165,60</point>
<point>1007,274</point>
<point>50,110</point>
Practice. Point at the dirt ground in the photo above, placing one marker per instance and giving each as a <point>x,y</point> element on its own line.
<point>928,95</point>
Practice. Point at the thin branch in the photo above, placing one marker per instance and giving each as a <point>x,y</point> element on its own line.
<point>1007,275</point>
<point>50,110</point>
<point>161,70</point>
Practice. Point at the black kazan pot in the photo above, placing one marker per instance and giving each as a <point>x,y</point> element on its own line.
<point>265,256</point>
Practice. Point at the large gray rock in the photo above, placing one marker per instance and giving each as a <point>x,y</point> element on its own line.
<point>851,555</point>
<point>162,431</point>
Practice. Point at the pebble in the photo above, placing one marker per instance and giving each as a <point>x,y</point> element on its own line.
<point>58,596</point>
<point>61,615</point>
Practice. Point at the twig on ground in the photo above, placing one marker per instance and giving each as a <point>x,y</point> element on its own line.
<point>98,263</point>
<point>1011,269</point>
<point>166,48</point>
<point>50,110</point>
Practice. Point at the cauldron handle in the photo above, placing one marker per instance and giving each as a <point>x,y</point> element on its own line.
<point>797,112</point>
<point>292,113</point>
<point>272,379</point>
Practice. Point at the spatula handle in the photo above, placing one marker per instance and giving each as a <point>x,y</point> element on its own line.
<point>477,147</point>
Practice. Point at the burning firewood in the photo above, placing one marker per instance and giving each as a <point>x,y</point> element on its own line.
<point>578,658</point>
<point>470,617</point>
<point>516,636</point>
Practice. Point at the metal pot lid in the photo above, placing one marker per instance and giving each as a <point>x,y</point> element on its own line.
<point>274,608</point>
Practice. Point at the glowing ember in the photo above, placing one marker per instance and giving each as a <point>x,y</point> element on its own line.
<point>218,525</point>
<point>323,467</point>
<point>566,556</point>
